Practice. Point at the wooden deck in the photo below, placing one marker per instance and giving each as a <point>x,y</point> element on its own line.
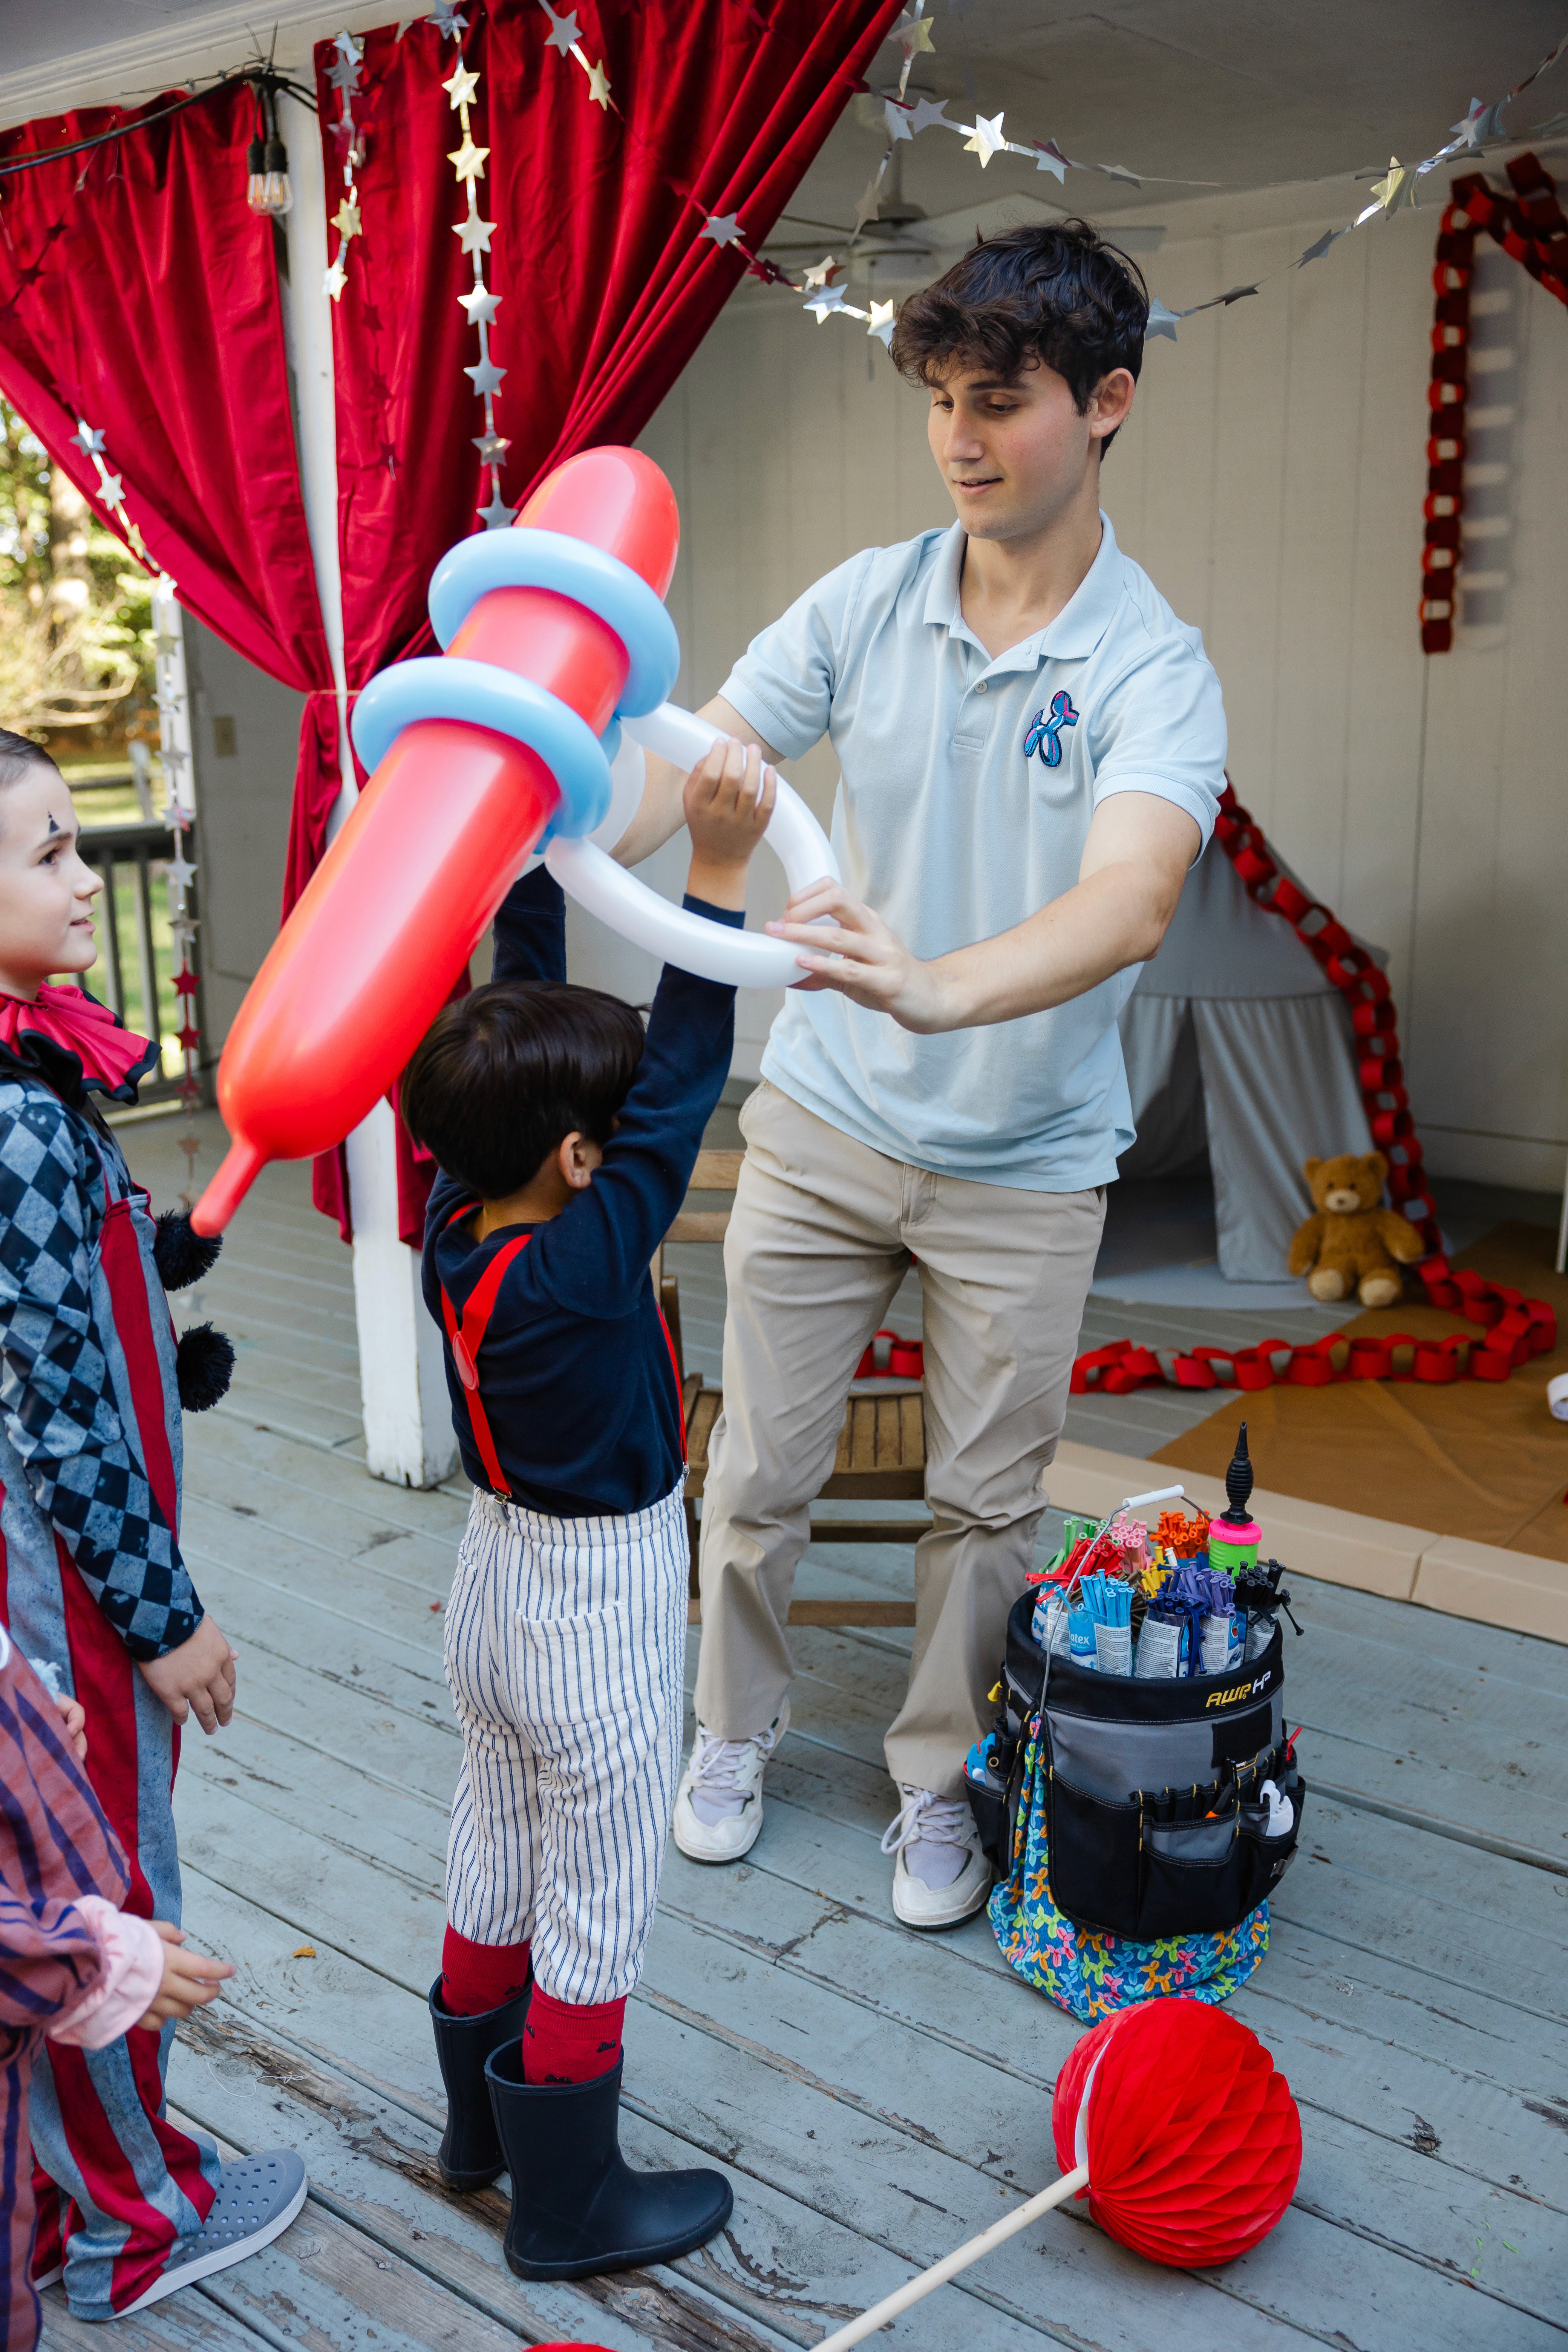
<point>875,2096</point>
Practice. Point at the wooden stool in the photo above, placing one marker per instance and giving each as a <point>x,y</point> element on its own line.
<point>881,1450</point>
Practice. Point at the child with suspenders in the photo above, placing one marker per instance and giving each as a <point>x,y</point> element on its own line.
<point>566,1141</point>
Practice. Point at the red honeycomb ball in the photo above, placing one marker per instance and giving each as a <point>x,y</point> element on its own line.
<point>1192,2138</point>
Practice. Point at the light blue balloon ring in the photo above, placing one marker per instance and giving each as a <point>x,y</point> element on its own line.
<point>480,695</point>
<point>608,588</point>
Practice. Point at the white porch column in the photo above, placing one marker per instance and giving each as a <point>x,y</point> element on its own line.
<point>402,1391</point>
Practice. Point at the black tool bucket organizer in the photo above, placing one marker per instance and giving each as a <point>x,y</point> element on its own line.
<point>1156,1826</point>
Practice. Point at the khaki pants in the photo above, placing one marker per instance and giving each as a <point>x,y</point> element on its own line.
<point>820,1240</point>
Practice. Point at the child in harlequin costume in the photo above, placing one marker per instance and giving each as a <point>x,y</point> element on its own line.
<point>566,1143</point>
<point>94,1585</point>
<point>73,1964</point>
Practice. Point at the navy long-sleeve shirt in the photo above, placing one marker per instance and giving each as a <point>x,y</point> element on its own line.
<point>575,1374</point>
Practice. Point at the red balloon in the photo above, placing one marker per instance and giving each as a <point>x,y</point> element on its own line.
<point>369,953</point>
<point>1193,2140</point>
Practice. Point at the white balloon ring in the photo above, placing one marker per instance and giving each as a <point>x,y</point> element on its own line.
<point>586,869</point>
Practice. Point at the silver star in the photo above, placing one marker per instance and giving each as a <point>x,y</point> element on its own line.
<point>180,872</point>
<point>1048,157</point>
<point>724,228</point>
<point>172,757</point>
<point>446,21</point>
<point>480,304</point>
<point>460,85</point>
<point>1117,171</point>
<point>1316,252</point>
<point>897,120</point>
<point>492,447</point>
<point>164,643</point>
<point>86,439</point>
<point>1397,190</point>
<point>564,33</point>
<point>1161,321</point>
<point>927,112</point>
<point>882,316</point>
<point>823,272</point>
<point>468,161</point>
<point>498,514</point>
<point>830,299</point>
<point>347,47</point>
<point>487,376</point>
<point>111,489</point>
<point>985,137</point>
<point>334,279</point>
<point>1481,123</point>
<point>474,234</point>
<point>344,74</point>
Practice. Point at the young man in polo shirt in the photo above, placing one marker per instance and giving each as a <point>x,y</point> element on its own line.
<point>1032,749</point>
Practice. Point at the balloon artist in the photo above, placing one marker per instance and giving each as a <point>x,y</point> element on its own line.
<point>1032,749</point>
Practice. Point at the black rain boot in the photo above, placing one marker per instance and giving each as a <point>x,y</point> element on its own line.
<point>470,2156</point>
<point>577,2207</point>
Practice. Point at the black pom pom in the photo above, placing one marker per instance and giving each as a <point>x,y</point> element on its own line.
<point>204,1365</point>
<point>181,1255</point>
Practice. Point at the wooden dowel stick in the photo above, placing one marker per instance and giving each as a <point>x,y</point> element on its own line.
<point>940,2273</point>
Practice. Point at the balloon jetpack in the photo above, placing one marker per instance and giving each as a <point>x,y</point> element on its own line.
<point>511,741</point>
<point>1172,2122</point>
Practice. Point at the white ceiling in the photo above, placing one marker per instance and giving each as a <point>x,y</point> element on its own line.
<point>1244,92</point>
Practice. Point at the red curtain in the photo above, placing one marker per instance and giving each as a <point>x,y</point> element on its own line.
<point>139,291</point>
<point>607,283</point>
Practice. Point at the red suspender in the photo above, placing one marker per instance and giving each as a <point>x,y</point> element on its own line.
<point>675,1375</point>
<point>467,1339</point>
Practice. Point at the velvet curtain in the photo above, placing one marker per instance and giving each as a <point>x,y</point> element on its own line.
<point>139,291</point>
<point>606,282</point>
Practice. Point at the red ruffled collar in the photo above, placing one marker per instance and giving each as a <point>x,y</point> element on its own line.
<point>99,1050</point>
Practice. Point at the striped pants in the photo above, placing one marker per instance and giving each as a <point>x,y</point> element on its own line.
<point>566,1642</point>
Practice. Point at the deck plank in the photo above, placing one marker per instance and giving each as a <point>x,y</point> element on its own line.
<point>873,2094</point>
<point>400,1836</point>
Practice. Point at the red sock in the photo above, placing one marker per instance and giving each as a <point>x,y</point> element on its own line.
<point>478,1977</point>
<point>570,2041</point>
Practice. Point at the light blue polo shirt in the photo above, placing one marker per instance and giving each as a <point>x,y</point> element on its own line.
<point>966,790</point>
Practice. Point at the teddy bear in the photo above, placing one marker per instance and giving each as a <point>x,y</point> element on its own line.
<point>1353,1242</point>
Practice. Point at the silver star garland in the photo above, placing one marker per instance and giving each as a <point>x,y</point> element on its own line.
<point>345,76</point>
<point>468,162</point>
<point>174,750</point>
<point>563,36</point>
<point>111,489</point>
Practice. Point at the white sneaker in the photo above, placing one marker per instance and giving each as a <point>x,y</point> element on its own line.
<point>719,1804</point>
<point>941,1877</point>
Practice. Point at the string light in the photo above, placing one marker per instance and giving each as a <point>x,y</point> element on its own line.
<point>268,188</point>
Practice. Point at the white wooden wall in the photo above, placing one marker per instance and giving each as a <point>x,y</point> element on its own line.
<point>1271,481</point>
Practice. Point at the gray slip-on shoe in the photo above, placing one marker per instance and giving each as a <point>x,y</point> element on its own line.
<point>258,2197</point>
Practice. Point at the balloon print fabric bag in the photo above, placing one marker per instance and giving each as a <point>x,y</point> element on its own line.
<point>1089,1973</point>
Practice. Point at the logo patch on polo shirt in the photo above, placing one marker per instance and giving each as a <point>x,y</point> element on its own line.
<point>1045,735</point>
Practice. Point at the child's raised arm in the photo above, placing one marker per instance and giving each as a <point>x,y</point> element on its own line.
<point>729,800</point>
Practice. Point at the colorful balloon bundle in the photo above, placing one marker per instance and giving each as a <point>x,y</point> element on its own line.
<point>1189,1599</point>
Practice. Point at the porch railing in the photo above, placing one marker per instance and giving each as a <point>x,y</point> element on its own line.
<point>136,964</point>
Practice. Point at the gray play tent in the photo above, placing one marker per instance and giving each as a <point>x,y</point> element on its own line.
<point>1233,1036</point>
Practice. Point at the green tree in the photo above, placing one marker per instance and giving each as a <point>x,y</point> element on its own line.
<point>76,618</point>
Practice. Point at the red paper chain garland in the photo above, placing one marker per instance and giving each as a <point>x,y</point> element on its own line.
<point>1380,1072</point>
<point>1517,1327</point>
<point>1528,225</point>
